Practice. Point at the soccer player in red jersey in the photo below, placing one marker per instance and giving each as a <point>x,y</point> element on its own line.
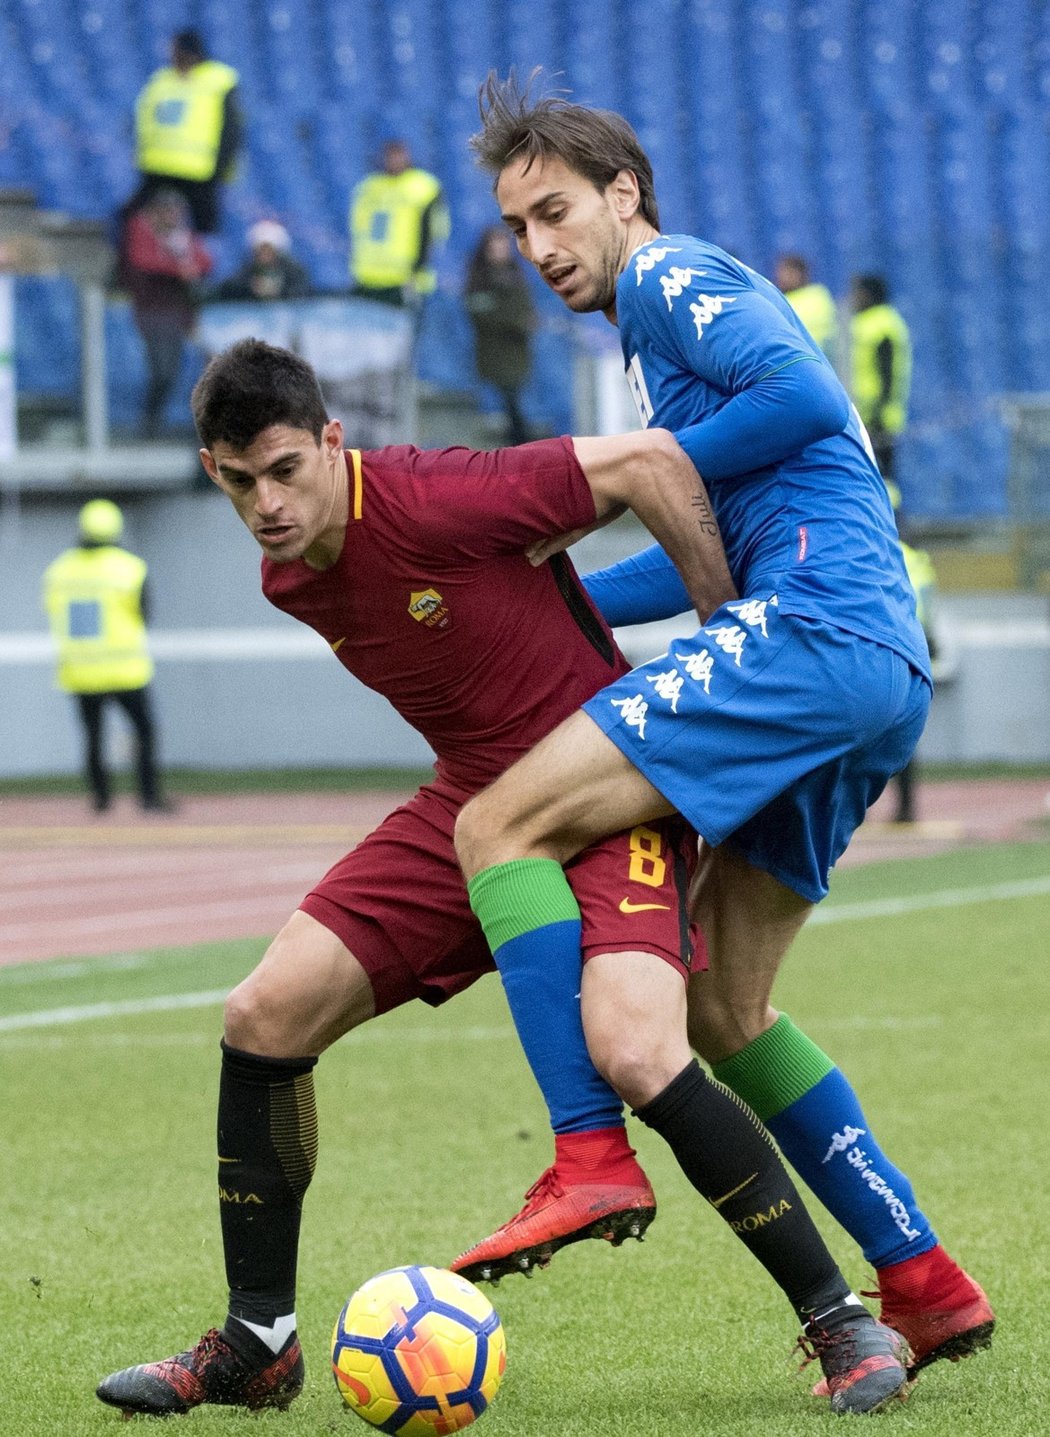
<point>413,566</point>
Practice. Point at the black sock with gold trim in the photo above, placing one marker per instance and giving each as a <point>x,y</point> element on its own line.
<point>267,1136</point>
<point>727,1155</point>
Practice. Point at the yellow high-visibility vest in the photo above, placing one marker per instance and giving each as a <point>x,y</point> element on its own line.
<point>815,307</point>
<point>386,219</point>
<point>868,329</point>
<point>923,578</point>
<point>93,599</point>
<point>178,120</point>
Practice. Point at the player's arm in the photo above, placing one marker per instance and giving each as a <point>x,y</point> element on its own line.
<point>649,473</point>
<point>640,589</point>
<point>780,395</point>
<point>777,416</point>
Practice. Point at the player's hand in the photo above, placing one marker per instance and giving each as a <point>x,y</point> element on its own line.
<point>543,549</point>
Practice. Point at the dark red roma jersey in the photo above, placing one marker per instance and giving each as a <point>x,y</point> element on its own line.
<point>433,604</point>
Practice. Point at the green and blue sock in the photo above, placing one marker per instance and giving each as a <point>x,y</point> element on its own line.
<point>810,1108</point>
<point>532,922</point>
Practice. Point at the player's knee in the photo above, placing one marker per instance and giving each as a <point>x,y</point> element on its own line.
<point>477,832</point>
<point>637,1065</point>
<point>255,1019</point>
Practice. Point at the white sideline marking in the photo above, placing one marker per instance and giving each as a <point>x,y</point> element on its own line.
<point>839,913</point>
<point>944,898</point>
<point>46,1017</point>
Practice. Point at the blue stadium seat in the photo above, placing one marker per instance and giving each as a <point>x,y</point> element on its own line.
<point>910,139</point>
<point>47,336</point>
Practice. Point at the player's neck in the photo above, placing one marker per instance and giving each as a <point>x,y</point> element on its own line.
<point>638,231</point>
<point>326,548</point>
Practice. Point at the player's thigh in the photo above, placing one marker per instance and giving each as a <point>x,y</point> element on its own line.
<point>639,948</point>
<point>307,991</point>
<point>737,714</point>
<point>398,902</point>
<point>574,787</point>
<point>749,920</point>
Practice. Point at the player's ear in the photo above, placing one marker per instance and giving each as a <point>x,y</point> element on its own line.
<point>626,196</point>
<point>210,467</point>
<point>332,438</point>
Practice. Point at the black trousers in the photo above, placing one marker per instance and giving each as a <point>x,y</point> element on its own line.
<point>136,704</point>
<point>202,196</point>
<point>164,338</point>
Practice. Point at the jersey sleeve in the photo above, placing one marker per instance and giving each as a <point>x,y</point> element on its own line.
<point>643,587</point>
<point>480,503</point>
<point>777,394</point>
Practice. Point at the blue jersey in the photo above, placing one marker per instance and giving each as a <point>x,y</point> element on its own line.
<point>716,354</point>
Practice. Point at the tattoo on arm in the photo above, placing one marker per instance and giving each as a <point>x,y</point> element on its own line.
<point>704,517</point>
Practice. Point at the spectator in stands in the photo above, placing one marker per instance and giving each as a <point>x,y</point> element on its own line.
<point>813,303</point>
<point>398,218</point>
<point>161,266</point>
<point>269,271</point>
<point>880,366</point>
<point>503,316</point>
<point>95,597</point>
<point>188,130</point>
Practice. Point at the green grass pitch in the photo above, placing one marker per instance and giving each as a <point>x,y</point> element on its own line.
<point>431,1130</point>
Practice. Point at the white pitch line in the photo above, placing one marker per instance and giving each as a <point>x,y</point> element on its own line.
<point>46,1017</point>
<point>837,913</point>
<point>944,898</point>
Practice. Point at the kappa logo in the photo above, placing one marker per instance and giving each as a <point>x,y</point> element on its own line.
<point>841,1141</point>
<point>633,712</point>
<point>651,257</point>
<point>705,309</point>
<point>668,685</point>
<point>676,280</point>
<point>428,607</point>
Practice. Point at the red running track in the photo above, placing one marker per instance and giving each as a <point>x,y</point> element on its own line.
<point>74,884</point>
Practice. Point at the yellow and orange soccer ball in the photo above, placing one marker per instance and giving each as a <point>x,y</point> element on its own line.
<point>418,1351</point>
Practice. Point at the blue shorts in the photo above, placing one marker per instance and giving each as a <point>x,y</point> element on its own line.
<point>772,731</point>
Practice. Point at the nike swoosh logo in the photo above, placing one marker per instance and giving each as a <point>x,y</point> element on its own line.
<point>717,1202</point>
<point>229,1160</point>
<point>626,906</point>
<point>338,642</point>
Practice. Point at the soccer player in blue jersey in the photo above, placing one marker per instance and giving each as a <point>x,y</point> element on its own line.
<point>773,728</point>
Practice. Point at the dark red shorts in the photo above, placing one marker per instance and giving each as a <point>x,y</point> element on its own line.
<point>399,903</point>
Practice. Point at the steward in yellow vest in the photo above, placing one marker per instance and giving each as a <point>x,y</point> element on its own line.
<point>880,366</point>
<point>188,130</point>
<point>813,303</point>
<point>93,595</point>
<point>397,218</point>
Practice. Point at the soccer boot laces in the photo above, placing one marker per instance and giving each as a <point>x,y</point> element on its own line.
<point>556,1214</point>
<point>863,1361</point>
<point>212,1371</point>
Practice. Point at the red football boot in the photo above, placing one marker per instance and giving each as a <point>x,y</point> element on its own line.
<point>938,1307</point>
<point>596,1188</point>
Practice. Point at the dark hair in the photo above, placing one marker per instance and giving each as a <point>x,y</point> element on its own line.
<point>189,42</point>
<point>250,386</point>
<point>797,262</point>
<point>597,144</point>
<point>873,286</point>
